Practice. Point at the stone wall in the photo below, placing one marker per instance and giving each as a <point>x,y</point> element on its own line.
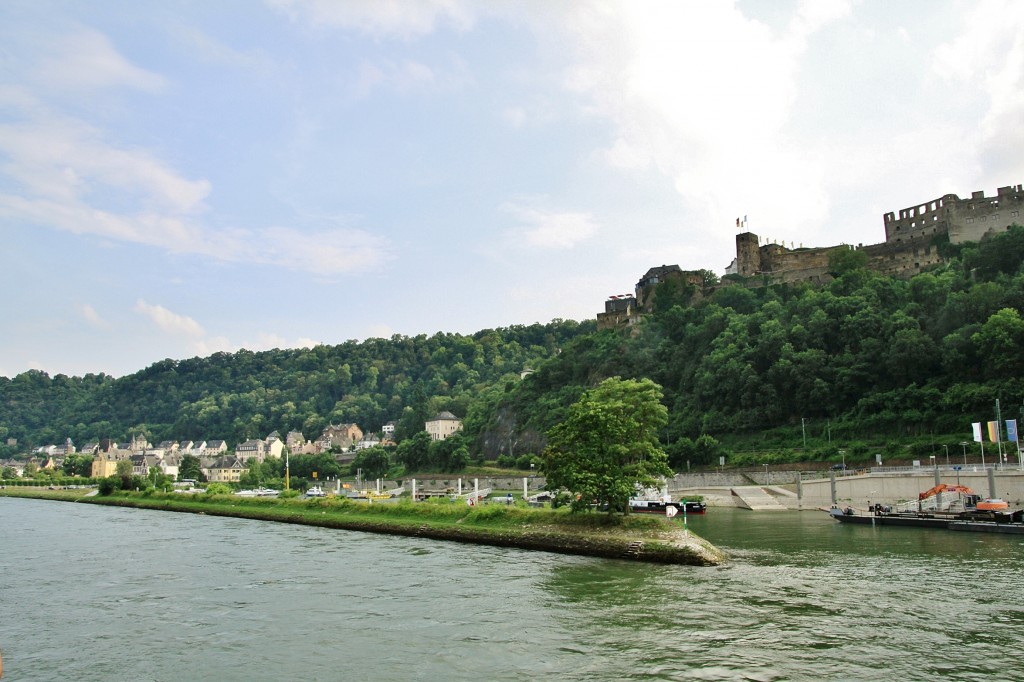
<point>901,259</point>
<point>891,488</point>
<point>974,218</point>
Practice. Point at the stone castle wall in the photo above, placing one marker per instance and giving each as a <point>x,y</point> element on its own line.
<point>908,249</point>
<point>963,220</point>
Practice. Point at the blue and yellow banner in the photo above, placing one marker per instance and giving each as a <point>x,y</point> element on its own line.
<point>1011,430</point>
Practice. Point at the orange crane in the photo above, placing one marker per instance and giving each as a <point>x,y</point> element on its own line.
<point>942,488</point>
<point>988,504</point>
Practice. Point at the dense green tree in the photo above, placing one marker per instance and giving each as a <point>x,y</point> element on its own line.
<point>450,454</point>
<point>190,468</point>
<point>77,465</point>
<point>608,447</point>
<point>247,395</point>
<point>323,464</point>
<point>414,453</point>
<point>1000,344</point>
<point>374,462</point>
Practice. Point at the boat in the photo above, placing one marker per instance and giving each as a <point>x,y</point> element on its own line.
<point>258,492</point>
<point>990,522</point>
<point>266,492</point>
<point>642,506</point>
<point>964,511</point>
<point>316,491</point>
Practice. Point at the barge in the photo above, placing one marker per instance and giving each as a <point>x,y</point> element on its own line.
<point>973,521</point>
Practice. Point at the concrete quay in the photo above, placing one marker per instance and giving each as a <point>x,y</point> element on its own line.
<point>888,485</point>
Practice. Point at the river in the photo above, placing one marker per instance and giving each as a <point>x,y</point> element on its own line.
<point>99,593</point>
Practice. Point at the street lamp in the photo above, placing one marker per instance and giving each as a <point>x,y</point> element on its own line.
<point>964,445</point>
<point>947,455</point>
<point>766,474</point>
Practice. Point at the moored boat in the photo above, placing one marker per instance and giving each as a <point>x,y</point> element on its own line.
<point>660,506</point>
<point>316,491</point>
<point>258,492</point>
<point>968,520</point>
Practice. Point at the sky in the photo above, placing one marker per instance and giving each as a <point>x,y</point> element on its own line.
<point>186,177</point>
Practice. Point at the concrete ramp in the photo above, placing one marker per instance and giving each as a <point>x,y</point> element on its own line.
<point>756,498</point>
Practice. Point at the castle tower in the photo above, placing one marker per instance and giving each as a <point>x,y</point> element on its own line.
<point>748,254</point>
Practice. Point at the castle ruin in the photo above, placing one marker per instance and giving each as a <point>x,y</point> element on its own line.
<point>909,248</point>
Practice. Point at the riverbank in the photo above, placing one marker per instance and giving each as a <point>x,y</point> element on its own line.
<point>651,539</point>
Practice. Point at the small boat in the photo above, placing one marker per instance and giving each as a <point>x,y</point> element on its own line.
<point>316,491</point>
<point>258,492</point>
<point>659,506</point>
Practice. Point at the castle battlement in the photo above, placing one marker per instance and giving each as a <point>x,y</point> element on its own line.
<point>909,248</point>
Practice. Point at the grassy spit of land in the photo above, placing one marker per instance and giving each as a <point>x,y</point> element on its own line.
<point>643,538</point>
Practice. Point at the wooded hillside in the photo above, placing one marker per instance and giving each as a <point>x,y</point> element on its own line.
<point>866,356</point>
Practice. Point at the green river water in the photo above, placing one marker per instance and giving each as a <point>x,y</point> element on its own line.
<point>97,593</point>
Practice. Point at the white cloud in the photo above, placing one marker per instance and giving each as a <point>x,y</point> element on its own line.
<point>169,322</point>
<point>86,60</point>
<point>212,51</point>
<point>514,116</point>
<point>398,76</point>
<point>379,331</point>
<point>703,94</point>
<point>263,341</point>
<point>404,18</point>
<point>268,341</point>
<point>988,56</point>
<point>326,252</point>
<point>92,317</point>
<point>64,159</point>
<point>74,180</point>
<point>216,344</point>
<point>551,230</point>
<point>813,15</point>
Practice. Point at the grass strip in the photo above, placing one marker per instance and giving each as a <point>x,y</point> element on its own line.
<point>643,538</point>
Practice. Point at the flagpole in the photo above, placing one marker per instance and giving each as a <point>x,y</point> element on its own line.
<point>999,434</point>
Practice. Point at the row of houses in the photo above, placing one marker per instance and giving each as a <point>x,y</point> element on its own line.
<point>216,462</point>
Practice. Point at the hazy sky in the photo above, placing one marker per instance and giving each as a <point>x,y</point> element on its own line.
<point>179,178</point>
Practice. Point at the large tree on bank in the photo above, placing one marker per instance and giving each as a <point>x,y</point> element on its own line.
<point>607,447</point>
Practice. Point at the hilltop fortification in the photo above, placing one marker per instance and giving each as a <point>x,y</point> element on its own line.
<point>910,246</point>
